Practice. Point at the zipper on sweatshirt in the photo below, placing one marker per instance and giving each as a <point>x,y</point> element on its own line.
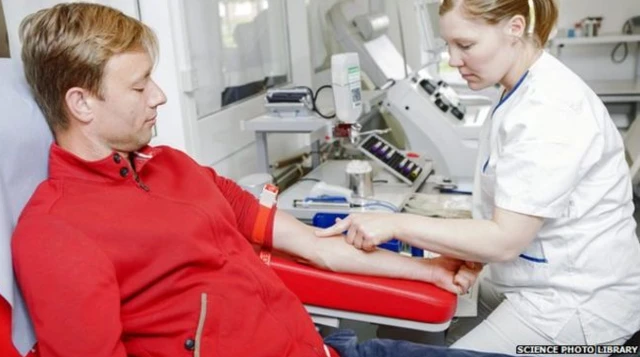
<point>134,173</point>
<point>201,320</point>
<point>139,182</point>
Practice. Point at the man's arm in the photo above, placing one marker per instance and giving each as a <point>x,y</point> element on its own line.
<point>70,288</point>
<point>244,205</point>
<point>333,253</point>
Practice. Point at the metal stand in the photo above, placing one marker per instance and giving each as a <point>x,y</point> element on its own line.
<point>316,127</point>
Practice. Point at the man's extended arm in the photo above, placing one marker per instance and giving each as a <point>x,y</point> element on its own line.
<point>333,253</point>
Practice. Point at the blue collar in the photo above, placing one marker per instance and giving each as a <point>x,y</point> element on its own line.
<point>506,96</point>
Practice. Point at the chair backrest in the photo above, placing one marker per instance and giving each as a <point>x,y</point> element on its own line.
<point>25,140</point>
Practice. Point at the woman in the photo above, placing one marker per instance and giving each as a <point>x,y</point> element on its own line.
<point>552,197</point>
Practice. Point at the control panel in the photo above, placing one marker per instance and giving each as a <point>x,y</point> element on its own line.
<point>444,97</point>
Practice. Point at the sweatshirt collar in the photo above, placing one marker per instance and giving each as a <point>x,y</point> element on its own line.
<point>113,168</point>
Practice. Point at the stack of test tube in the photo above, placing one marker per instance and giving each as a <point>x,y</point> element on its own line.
<point>385,153</point>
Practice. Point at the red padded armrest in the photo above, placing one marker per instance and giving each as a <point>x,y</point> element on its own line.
<point>395,298</point>
<point>6,346</point>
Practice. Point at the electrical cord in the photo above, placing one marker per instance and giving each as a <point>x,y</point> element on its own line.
<point>314,98</point>
<point>626,29</point>
<point>309,179</point>
<point>379,203</point>
<point>625,48</point>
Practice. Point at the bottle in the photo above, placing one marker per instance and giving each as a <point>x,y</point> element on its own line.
<point>597,24</point>
<point>588,27</point>
<point>578,29</point>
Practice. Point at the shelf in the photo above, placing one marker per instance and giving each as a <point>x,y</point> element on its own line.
<point>267,123</point>
<point>612,91</point>
<point>601,39</point>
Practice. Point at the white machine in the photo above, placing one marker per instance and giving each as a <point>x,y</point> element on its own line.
<point>436,121</point>
<point>366,35</point>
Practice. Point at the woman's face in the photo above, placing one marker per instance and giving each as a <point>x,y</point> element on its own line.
<point>483,53</point>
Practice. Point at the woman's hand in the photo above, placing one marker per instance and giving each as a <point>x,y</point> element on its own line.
<point>364,230</point>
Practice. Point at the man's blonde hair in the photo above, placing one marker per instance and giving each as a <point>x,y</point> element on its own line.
<point>541,15</point>
<point>69,46</point>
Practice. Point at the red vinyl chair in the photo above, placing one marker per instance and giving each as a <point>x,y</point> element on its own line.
<point>7,349</point>
<point>393,302</point>
<point>6,345</point>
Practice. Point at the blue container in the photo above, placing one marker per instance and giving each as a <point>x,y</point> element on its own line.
<point>393,245</point>
<point>324,220</point>
<point>417,252</point>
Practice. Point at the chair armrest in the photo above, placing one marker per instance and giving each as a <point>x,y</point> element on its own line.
<point>6,346</point>
<point>396,298</point>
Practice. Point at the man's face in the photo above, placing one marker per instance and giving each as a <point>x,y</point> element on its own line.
<point>125,117</point>
<point>481,52</point>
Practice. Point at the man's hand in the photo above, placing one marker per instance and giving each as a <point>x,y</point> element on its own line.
<point>364,230</point>
<point>452,274</point>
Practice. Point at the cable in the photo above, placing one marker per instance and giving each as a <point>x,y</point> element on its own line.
<point>380,203</point>
<point>626,29</point>
<point>314,97</point>
<point>625,52</point>
<point>309,179</point>
<point>315,107</point>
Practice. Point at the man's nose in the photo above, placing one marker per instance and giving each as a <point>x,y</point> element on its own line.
<point>157,97</point>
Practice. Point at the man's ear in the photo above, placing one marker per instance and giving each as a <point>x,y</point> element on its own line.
<point>78,102</point>
<point>516,26</point>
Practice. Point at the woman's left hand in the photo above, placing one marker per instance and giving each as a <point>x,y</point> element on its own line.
<point>364,230</point>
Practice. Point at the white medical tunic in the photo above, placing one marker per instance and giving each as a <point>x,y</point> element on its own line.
<point>551,150</point>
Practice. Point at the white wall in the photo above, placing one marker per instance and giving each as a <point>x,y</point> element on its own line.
<point>593,62</point>
<point>16,10</point>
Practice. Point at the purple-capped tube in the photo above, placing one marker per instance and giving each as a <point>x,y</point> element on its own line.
<point>401,165</point>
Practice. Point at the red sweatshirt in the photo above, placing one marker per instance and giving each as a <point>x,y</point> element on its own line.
<point>158,263</point>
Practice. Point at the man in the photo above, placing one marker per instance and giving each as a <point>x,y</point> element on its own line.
<point>133,250</point>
